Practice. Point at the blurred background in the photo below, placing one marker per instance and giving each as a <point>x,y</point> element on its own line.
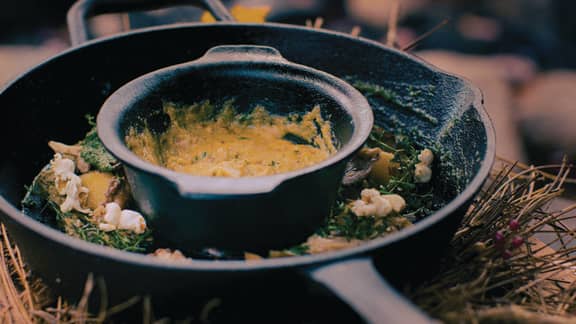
<point>521,53</point>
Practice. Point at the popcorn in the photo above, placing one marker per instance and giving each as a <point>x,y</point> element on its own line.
<point>68,184</point>
<point>422,173</point>
<point>374,204</point>
<point>422,170</point>
<point>117,219</point>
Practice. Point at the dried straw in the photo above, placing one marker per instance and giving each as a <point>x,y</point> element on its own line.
<point>16,302</point>
<point>23,299</point>
<point>497,271</point>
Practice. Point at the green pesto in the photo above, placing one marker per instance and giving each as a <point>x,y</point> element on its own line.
<point>94,153</point>
<point>408,103</point>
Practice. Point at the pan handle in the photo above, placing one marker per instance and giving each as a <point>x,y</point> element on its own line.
<point>82,10</point>
<point>358,283</point>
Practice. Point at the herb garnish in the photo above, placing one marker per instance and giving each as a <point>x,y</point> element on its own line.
<point>419,202</point>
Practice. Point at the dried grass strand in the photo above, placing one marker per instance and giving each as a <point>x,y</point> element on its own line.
<point>393,23</point>
<point>17,303</point>
<point>427,34</point>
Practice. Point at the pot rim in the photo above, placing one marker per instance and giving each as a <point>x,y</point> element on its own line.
<point>227,58</point>
<point>265,264</point>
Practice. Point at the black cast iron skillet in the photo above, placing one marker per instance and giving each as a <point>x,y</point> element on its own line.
<point>50,101</point>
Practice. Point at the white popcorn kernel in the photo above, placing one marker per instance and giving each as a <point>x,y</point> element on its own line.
<point>73,190</point>
<point>112,215</point>
<point>107,227</point>
<point>426,156</point>
<point>115,218</point>
<point>422,173</point>
<point>396,201</point>
<point>371,204</point>
<point>62,167</point>
<point>68,184</point>
<point>132,221</point>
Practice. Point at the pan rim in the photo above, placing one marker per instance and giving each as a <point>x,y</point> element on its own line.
<point>143,260</point>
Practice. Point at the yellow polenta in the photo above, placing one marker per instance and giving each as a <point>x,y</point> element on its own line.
<point>203,140</point>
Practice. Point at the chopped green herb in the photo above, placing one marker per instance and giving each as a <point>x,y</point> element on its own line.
<point>95,154</point>
<point>419,198</point>
<point>81,226</point>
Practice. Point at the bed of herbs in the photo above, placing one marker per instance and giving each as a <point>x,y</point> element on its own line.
<point>341,222</point>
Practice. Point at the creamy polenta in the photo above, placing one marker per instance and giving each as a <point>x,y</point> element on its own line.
<point>204,140</point>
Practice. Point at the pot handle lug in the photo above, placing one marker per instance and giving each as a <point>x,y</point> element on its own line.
<point>82,10</point>
<point>242,53</point>
<point>357,283</point>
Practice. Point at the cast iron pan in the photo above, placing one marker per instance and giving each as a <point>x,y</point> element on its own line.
<point>50,101</point>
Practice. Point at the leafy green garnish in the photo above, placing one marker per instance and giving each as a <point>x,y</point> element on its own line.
<point>419,198</point>
<point>80,226</point>
<point>91,120</point>
<point>42,203</point>
<point>34,198</point>
<point>94,153</point>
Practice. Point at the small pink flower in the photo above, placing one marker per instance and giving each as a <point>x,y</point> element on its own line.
<point>514,224</point>
<point>517,241</point>
<point>499,238</point>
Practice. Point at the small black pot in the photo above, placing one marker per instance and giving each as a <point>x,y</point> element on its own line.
<point>255,213</point>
